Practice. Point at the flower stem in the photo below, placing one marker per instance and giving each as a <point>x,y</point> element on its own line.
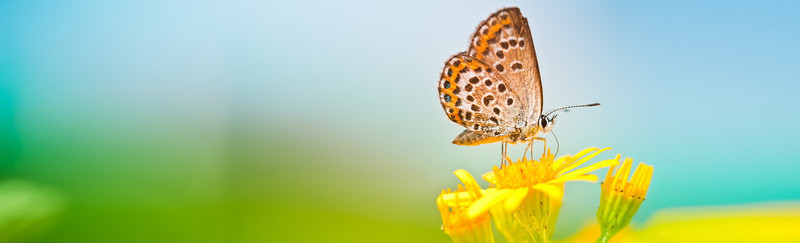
<point>605,236</point>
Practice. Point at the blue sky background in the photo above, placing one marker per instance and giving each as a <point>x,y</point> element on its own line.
<point>186,104</point>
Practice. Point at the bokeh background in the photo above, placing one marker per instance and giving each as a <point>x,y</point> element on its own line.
<point>291,121</point>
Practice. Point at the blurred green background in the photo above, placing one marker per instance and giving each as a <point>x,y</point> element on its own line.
<point>312,121</point>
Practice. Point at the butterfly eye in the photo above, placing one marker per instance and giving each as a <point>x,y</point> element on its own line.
<point>543,121</point>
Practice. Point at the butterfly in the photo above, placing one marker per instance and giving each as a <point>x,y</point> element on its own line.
<point>494,89</point>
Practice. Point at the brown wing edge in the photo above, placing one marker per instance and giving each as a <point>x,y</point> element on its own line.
<point>537,72</point>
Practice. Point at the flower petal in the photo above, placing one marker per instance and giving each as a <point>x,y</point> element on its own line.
<point>568,160</point>
<point>486,202</point>
<point>551,190</point>
<point>609,175</point>
<point>513,201</point>
<point>560,163</point>
<point>455,199</point>
<point>581,161</point>
<point>585,170</point>
<point>489,176</point>
<point>584,177</point>
<point>624,171</point>
<point>469,183</point>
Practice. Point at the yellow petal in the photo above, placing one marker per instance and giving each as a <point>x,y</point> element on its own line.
<point>638,176</point>
<point>581,161</point>
<point>587,151</point>
<point>486,202</point>
<point>560,162</point>
<point>551,190</point>
<point>513,201</point>
<point>586,169</point>
<point>622,174</point>
<point>469,182</point>
<point>584,177</point>
<point>490,178</point>
<point>453,199</point>
<point>611,171</point>
<point>647,176</point>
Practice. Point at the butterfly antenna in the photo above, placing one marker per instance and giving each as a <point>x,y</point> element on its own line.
<point>570,107</point>
<point>558,146</point>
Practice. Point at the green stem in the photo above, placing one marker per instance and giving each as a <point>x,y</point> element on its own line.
<point>604,237</point>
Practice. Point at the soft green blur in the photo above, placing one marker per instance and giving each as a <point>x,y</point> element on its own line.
<point>239,121</point>
<point>26,210</point>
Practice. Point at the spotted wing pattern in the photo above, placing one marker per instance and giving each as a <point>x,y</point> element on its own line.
<point>476,97</point>
<point>504,42</point>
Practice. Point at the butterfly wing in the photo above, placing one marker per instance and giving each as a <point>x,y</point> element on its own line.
<point>476,97</point>
<point>504,42</point>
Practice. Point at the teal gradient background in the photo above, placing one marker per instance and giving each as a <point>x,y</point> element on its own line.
<point>312,121</point>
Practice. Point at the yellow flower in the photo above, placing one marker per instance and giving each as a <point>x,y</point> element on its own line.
<point>763,222</point>
<point>525,188</point>
<point>453,207</point>
<point>506,224</point>
<point>555,205</point>
<point>620,198</point>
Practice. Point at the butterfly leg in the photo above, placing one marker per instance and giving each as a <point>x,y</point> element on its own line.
<point>545,144</point>
<point>530,146</point>
<point>503,150</point>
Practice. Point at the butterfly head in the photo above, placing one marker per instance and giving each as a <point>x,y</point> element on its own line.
<point>542,125</point>
<point>545,123</point>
